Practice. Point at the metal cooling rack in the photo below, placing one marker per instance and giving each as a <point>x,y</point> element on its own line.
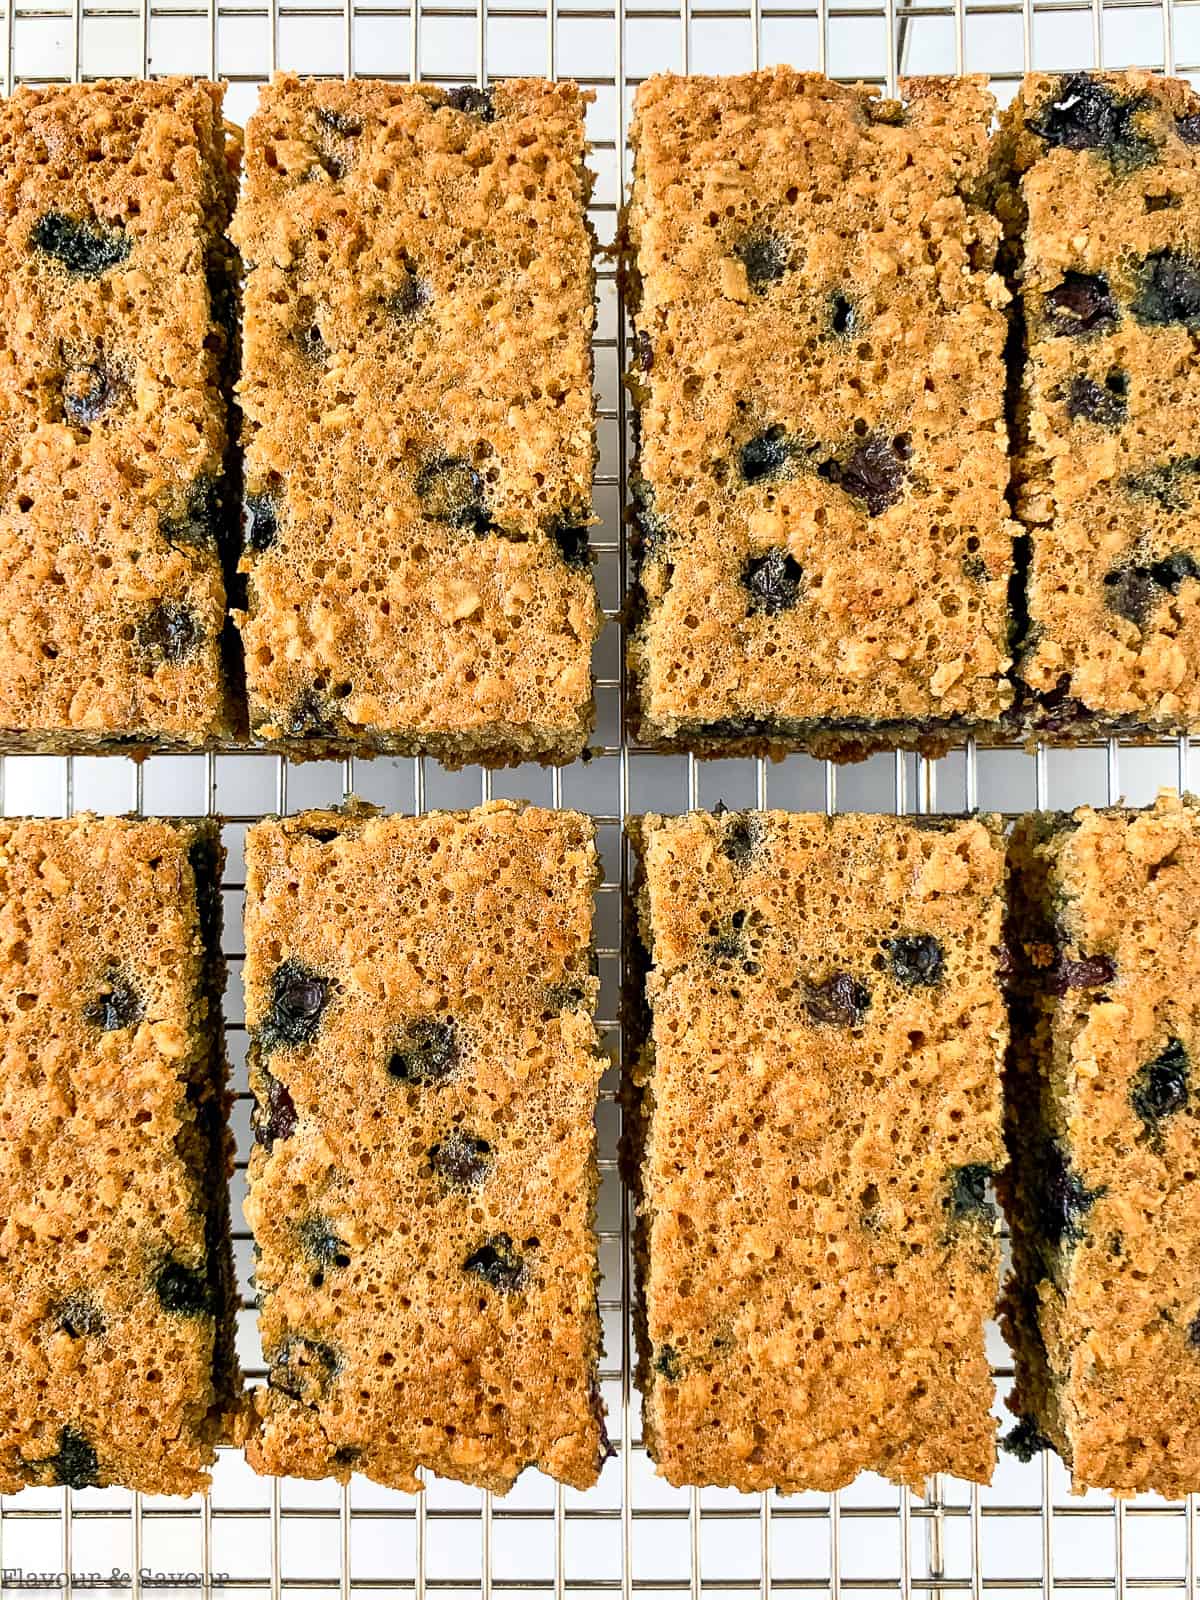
<point>632,1532</point>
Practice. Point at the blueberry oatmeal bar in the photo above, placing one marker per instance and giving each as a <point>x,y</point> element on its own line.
<point>117,1301</point>
<point>420,432</point>
<point>419,993</point>
<point>115,355</point>
<point>813,1115</point>
<point>1100,192</point>
<point>1103,1306</point>
<point>820,521</point>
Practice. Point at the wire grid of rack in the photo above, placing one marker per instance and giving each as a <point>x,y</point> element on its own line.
<point>632,1532</point>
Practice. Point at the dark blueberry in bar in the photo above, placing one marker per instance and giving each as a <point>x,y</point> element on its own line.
<point>88,392</point>
<point>303,1369</point>
<point>1081,303</point>
<point>1188,128</point>
<point>321,1244</point>
<point>74,1465</point>
<point>118,1005</point>
<point>309,338</point>
<point>498,1264</point>
<point>451,491</point>
<point>86,249</point>
<point>170,632</point>
<point>765,456</point>
<point>915,959</point>
<point>276,1119</point>
<point>667,1364</point>
<point>260,522</point>
<point>874,472</point>
<point>729,943</point>
<point>183,1290</point>
<point>1193,1332</point>
<point>1061,1196</point>
<point>1168,290</point>
<point>1134,591</point>
<point>338,122</point>
<point>427,1053</point>
<point>1082,972</point>
<point>1026,1440</point>
<point>298,997</point>
<point>460,1160</point>
<point>200,520</point>
<point>310,716</point>
<point>840,999</point>
<point>772,582</point>
<point>474,101</point>
<point>887,113</point>
<point>79,1317</point>
<point>766,258</point>
<point>967,1196</point>
<point>1160,1088</point>
<point>643,350</point>
<point>741,837</point>
<point>1106,403</point>
<point>410,299</point>
<point>1084,114</point>
<point>843,314</point>
<point>571,537</point>
<point>1170,484</point>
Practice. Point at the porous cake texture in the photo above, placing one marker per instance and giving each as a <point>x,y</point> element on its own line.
<point>419,420</point>
<point>1103,1306</point>
<point>117,1300</point>
<point>820,524</point>
<point>419,994</point>
<point>116,346</point>
<point>814,1115</point>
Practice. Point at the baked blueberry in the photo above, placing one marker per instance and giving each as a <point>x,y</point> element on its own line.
<point>1161,1087</point>
<point>1063,1200</point>
<point>260,522</point>
<point>1170,484</point>
<point>451,491</point>
<point>321,1244</point>
<point>643,350</point>
<point>1105,403</point>
<point>873,472</point>
<point>74,1465</point>
<point>966,1196</point>
<point>276,1119</point>
<point>426,1053</point>
<point>1082,303</point>
<point>303,1369</point>
<point>1134,591</point>
<point>765,456</point>
<point>1084,114</point>
<point>170,632</point>
<point>499,1264</point>
<point>765,257</point>
<point>741,837</point>
<point>338,122</point>
<point>1188,128</point>
<point>571,536</point>
<point>86,249</point>
<point>667,1364</point>
<point>1025,1440</point>
<point>915,959</point>
<point>118,1005</point>
<point>1082,972</point>
<point>460,1160</point>
<point>87,393</point>
<point>298,998</point>
<point>843,314</point>
<point>183,1290</point>
<point>772,581</point>
<point>1193,1332</point>
<point>474,101</point>
<point>199,522</point>
<point>310,716</point>
<point>841,999</point>
<point>1168,290</point>
<point>410,299</point>
<point>79,1317</point>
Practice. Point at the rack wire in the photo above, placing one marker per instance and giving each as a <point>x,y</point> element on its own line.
<point>632,1533</point>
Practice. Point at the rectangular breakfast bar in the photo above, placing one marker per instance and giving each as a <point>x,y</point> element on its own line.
<point>820,523</point>
<point>117,1299</point>
<point>814,1113</point>
<point>1103,1307</point>
<point>419,420</point>
<point>1099,186</point>
<point>419,994</point>
<point>116,354</point>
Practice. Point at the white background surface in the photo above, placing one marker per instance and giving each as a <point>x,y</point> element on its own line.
<point>632,1532</point>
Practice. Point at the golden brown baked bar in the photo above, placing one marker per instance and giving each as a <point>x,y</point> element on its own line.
<point>815,1113</point>
<point>1101,191</point>
<point>117,1300</point>
<point>820,521</point>
<point>419,428</point>
<point>420,997</point>
<point>116,345</point>
<point>1103,1306</point>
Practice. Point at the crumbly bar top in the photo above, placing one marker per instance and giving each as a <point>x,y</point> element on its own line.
<point>116,1361</point>
<point>1105,1141</point>
<point>115,336</point>
<point>816,1111</point>
<point>817,366</point>
<point>420,999</point>
<point>1102,173</point>
<point>419,416</point>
